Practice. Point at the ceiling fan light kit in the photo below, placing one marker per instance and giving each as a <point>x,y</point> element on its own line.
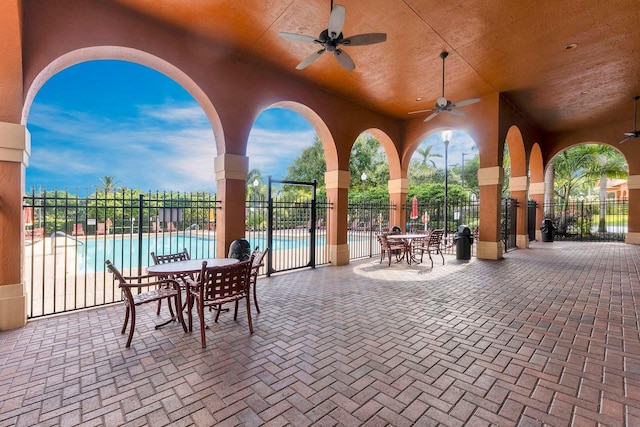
<point>331,40</point>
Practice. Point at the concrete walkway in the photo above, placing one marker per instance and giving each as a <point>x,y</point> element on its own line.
<point>547,336</point>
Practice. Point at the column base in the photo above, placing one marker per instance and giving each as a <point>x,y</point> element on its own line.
<point>522,241</point>
<point>13,306</point>
<point>339,254</point>
<point>632,238</point>
<point>489,250</point>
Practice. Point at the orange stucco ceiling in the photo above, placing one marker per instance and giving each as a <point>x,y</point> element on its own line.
<point>517,48</point>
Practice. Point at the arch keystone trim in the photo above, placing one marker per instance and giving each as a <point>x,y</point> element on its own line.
<point>536,188</point>
<point>490,176</point>
<point>15,143</point>
<point>518,183</point>
<point>400,185</point>
<point>337,179</point>
<point>231,166</point>
<point>633,182</point>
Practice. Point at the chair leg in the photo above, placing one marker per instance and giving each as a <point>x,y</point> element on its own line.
<point>170,307</point>
<point>189,311</point>
<point>255,298</point>
<point>133,325</point>
<point>179,313</point>
<point>201,316</point>
<point>235,312</point>
<point>159,305</point>
<point>126,320</point>
<point>248,314</point>
<point>430,259</point>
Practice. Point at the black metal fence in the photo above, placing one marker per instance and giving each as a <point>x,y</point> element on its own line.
<point>508,222</point>
<point>364,220</point>
<point>69,237</point>
<point>433,216</point>
<point>590,221</point>
<point>297,235</point>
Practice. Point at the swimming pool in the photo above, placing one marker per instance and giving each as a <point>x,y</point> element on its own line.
<point>124,251</point>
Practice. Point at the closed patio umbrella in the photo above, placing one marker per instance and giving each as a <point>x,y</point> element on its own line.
<point>414,208</point>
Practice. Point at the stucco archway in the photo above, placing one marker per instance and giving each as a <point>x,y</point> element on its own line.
<point>519,182</point>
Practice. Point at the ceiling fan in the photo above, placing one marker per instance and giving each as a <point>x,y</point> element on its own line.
<point>636,132</point>
<point>332,39</point>
<point>443,105</point>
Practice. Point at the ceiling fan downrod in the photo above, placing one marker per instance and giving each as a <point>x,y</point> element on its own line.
<point>443,55</point>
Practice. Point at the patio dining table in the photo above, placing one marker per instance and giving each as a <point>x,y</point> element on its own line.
<point>190,266</point>
<point>408,239</point>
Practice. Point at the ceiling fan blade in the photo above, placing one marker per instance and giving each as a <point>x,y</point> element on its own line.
<point>455,112</point>
<point>625,140</point>
<point>420,111</point>
<point>466,102</point>
<point>631,134</point>
<point>298,37</point>
<point>344,59</point>
<point>309,59</point>
<point>435,113</point>
<point>365,39</point>
<point>336,20</point>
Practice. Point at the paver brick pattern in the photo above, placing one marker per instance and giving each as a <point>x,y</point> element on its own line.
<point>547,336</point>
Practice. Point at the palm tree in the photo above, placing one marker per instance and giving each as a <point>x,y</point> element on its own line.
<point>427,156</point>
<point>608,163</point>
<point>108,184</point>
<point>586,163</point>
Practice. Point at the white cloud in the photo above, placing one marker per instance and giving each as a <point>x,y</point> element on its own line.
<point>272,151</point>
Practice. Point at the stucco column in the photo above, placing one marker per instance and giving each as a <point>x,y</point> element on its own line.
<point>518,188</point>
<point>490,182</point>
<point>633,232</point>
<point>398,189</point>
<point>231,175</point>
<point>337,184</point>
<point>536,192</point>
<point>15,148</point>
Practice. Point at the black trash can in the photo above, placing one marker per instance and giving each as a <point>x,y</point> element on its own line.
<point>464,240</point>
<point>547,228</point>
<point>240,250</point>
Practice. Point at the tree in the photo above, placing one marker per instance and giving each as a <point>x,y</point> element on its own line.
<point>608,163</point>
<point>423,168</point>
<point>309,165</point>
<point>588,163</point>
<point>367,156</point>
<point>108,184</point>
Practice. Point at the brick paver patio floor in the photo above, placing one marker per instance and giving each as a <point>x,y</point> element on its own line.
<point>547,336</point>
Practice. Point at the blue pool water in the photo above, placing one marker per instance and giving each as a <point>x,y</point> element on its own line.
<point>123,252</point>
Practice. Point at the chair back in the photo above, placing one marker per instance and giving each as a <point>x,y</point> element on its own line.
<point>223,284</point>
<point>163,259</point>
<point>435,238</point>
<point>257,263</point>
<point>179,256</point>
<point>258,257</point>
<point>116,273</point>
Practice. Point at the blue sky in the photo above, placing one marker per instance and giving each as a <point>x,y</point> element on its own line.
<point>128,121</point>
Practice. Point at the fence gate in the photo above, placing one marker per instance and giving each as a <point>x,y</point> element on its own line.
<point>292,227</point>
<point>532,205</point>
<point>509,222</point>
